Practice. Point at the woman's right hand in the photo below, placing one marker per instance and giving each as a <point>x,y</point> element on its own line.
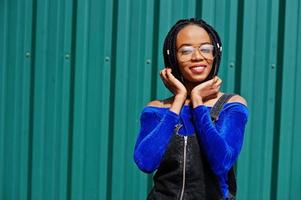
<point>176,87</point>
<point>172,83</point>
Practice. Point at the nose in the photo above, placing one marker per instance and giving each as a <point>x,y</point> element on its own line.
<point>197,55</point>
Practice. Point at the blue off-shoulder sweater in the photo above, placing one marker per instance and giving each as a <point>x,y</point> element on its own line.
<point>221,141</point>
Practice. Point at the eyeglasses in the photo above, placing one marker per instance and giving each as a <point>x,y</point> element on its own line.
<point>186,52</point>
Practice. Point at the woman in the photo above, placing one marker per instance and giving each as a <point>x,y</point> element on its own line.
<point>194,137</point>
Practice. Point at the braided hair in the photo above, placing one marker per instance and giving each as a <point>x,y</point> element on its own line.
<point>169,47</point>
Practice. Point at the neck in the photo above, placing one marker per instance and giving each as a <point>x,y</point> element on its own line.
<point>189,86</point>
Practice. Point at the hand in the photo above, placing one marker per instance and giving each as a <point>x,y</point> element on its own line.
<point>205,91</point>
<point>172,83</point>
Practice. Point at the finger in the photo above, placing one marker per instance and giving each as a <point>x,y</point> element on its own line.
<point>165,82</point>
<point>166,79</point>
<point>167,72</point>
<point>169,75</point>
<point>215,79</point>
<point>209,83</point>
<point>215,85</point>
<point>216,90</point>
<point>171,78</point>
<point>213,92</point>
<point>167,69</point>
<point>169,86</point>
<point>163,74</point>
<point>218,83</point>
<point>205,85</point>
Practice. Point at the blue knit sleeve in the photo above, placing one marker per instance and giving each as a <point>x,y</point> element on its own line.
<point>222,141</point>
<point>156,129</point>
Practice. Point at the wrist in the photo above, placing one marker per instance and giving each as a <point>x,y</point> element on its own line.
<point>180,97</point>
<point>196,101</point>
<point>177,104</point>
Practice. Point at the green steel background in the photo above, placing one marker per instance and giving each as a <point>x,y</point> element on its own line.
<point>75,75</point>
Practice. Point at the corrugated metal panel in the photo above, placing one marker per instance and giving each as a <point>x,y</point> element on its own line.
<point>50,99</point>
<point>289,160</point>
<point>260,62</point>
<point>15,104</point>
<point>91,135</point>
<point>75,75</point>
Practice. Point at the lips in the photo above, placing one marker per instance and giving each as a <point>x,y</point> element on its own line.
<point>198,69</point>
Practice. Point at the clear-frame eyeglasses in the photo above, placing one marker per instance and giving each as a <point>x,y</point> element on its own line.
<point>186,52</point>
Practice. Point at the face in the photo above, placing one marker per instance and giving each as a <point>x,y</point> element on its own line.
<point>194,53</point>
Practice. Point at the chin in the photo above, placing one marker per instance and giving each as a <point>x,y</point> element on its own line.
<point>196,78</point>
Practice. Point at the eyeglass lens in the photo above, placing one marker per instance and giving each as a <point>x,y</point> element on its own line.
<point>206,50</point>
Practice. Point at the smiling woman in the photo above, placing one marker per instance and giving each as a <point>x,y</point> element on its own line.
<point>195,53</point>
<point>193,138</point>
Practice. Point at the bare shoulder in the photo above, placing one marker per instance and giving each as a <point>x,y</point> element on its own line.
<point>155,103</point>
<point>160,103</point>
<point>239,99</point>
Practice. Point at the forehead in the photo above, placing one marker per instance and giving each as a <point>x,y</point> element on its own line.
<point>192,35</point>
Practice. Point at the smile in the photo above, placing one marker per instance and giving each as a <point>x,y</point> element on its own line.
<point>198,69</point>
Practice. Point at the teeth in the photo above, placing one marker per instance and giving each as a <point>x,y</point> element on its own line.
<point>199,67</point>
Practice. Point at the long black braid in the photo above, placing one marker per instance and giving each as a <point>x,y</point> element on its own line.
<point>170,52</point>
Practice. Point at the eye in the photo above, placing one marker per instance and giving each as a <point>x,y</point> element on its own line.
<point>206,48</point>
<point>186,50</point>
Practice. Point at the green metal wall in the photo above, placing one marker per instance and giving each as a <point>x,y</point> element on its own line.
<point>75,75</point>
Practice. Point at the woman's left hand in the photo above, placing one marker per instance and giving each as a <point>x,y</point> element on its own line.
<point>205,91</point>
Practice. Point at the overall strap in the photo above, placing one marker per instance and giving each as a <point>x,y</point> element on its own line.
<point>214,113</point>
<point>218,106</point>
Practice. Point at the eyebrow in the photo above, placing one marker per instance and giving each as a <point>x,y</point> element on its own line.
<point>188,44</point>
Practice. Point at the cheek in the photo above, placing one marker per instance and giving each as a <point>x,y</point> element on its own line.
<point>182,68</point>
<point>210,67</point>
